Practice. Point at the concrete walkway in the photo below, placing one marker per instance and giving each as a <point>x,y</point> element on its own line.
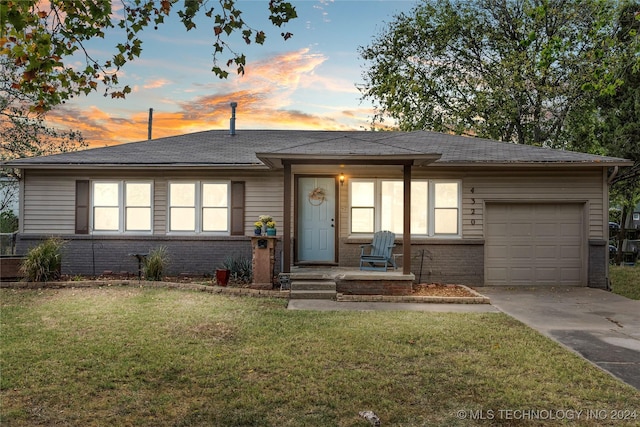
<point>601,326</point>
<point>598,325</point>
<point>331,305</point>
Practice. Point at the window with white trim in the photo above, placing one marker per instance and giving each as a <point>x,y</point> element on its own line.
<point>196,207</point>
<point>121,206</point>
<point>378,204</point>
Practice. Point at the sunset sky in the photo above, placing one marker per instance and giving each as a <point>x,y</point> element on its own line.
<point>306,82</point>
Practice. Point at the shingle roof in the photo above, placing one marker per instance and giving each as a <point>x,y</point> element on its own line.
<point>219,149</point>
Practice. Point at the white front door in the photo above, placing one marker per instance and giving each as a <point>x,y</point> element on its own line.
<point>316,230</point>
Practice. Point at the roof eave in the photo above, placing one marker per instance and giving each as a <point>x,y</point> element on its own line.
<point>552,164</point>
<point>278,160</point>
<point>154,166</point>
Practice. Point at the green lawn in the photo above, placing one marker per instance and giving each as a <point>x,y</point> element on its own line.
<point>139,356</point>
<point>625,280</point>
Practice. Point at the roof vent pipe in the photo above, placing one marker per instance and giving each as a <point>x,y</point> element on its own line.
<point>150,125</point>
<point>232,121</point>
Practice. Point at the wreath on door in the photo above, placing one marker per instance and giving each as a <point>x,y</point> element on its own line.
<point>317,196</point>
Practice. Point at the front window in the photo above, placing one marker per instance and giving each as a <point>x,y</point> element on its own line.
<point>447,195</point>
<point>182,212</point>
<point>137,206</point>
<point>362,207</point>
<point>199,207</point>
<point>215,200</point>
<point>379,205</point>
<point>121,206</point>
<point>106,206</point>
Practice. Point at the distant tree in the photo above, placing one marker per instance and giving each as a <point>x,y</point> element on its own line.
<point>8,222</point>
<point>8,193</point>
<point>39,37</point>
<point>23,132</point>
<point>610,123</point>
<point>510,70</point>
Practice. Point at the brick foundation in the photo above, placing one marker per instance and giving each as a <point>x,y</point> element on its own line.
<point>195,256</point>
<point>598,267</point>
<point>438,261</point>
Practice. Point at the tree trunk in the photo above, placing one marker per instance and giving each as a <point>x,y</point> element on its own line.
<point>622,231</point>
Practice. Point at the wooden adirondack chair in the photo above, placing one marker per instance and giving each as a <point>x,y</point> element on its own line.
<point>379,256</point>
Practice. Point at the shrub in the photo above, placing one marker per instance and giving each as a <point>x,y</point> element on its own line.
<point>156,263</point>
<point>43,262</point>
<point>241,268</point>
<point>8,222</point>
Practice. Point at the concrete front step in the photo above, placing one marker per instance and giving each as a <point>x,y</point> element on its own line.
<point>310,285</point>
<point>313,289</point>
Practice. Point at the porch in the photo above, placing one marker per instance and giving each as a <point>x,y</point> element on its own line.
<point>324,282</point>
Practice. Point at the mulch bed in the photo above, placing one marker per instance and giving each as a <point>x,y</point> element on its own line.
<point>439,290</point>
<point>422,289</point>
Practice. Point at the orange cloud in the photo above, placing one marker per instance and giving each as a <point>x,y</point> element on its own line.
<point>155,84</point>
<point>263,97</point>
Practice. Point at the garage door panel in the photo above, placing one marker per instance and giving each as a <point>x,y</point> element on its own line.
<point>548,252</point>
<point>534,244</point>
<point>523,231</point>
<point>520,252</point>
<point>496,230</point>
<point>546,275</point>
<point>497,252</point>
<point>543,230</point>
<point>570,231</point>
<point>521,273</point>
<point>570,274</point>
<point>499,273</point>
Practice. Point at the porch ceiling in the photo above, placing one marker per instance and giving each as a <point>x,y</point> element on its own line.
<point>278,160</point>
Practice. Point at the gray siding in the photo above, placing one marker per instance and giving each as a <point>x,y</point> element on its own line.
<point>48,205</point>
<point>49,209</point>
<point>49,199</point>
<point>533,186</point>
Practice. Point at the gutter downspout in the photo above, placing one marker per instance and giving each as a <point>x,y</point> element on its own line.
<point>613,174</point>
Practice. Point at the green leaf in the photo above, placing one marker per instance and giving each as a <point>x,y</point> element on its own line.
<point>119,60</point>
<point>220,72</point>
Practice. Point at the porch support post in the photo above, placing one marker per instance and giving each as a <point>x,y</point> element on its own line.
<point>406,232</point>
<point>286,235</point>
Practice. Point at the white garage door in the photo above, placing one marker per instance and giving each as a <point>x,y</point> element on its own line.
<point>534,244</point>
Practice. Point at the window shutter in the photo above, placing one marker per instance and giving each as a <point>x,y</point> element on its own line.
<point>82,207</point>
<point>237,208</point>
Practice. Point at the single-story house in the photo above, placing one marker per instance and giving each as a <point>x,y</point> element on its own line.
<point>465,210</point>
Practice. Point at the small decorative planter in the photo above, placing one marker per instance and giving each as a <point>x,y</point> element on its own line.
<point>222,276</point>
<point>271,231</point>
<point>257,231</point>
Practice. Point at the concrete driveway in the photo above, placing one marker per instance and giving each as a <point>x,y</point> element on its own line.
<point>601,326</point>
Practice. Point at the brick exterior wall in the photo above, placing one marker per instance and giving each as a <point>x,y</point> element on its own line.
<point>459,262</point>
<point>195,256</point>
<point>448,262</point>
<point>374,287</point>
<point>598,267</point>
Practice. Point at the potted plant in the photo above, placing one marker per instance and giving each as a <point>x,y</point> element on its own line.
<point>257,228</point>
<point>271,228</point>
<point>264,219</point>
<point>222,276</point>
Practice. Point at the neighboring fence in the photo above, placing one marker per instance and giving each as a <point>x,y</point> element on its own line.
<point>8,243</point>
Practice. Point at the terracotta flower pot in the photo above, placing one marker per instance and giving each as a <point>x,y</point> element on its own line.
<point>222,277</point>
